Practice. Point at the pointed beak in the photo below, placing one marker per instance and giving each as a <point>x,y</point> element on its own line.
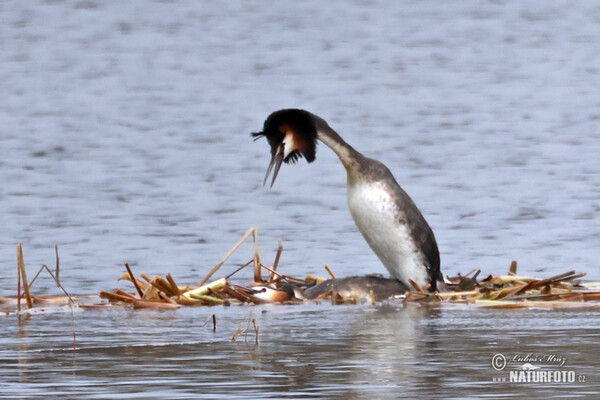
<point>276,161</point>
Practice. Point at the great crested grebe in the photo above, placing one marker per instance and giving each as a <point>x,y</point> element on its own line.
<point>386,216</point>
<point>370,287</point>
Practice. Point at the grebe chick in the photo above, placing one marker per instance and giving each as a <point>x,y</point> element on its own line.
<point>386,216</point>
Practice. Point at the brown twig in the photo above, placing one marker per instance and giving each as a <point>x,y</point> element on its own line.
<point>229,253</point>
<point>134,280</point>
<point>329,272</point>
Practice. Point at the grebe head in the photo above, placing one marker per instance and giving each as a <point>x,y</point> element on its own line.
<point>280,295</point>
<point>291,134</point>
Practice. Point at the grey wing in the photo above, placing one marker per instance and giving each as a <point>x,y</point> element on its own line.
<point>422,234</point>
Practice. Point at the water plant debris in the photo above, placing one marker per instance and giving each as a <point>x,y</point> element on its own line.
<point>511,291</point>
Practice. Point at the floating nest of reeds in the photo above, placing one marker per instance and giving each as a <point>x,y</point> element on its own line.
<point>506,291</point>
<point>563,291</point>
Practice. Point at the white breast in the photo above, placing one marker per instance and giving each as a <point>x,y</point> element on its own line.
<point>377,218</point>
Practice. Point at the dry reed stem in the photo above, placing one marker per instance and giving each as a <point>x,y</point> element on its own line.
<point>537,283</point>
<point>513,268</point>
<point>272,273</point>
<point>329,272</point>
<point>155,305</point>
<point>116,297</point>
<point>235,294</point>
<point>58,283</point>
<point>239,330</point>
<point>18,289</point>
<point>276,262</point>
<point>21,264</point>
<point>57,263</point>
<point>141,284</point>
<point>255,329</point>
<point>161,284</point>
<point>166,298</point>
<point>229,253</point>
<point>124,293</point>
<point>257,271</point>
<point>444,295</point>
<point>174,286</point>
<point>134,281</point>
<point>239,269</point>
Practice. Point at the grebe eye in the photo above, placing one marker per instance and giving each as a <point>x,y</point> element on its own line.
<point>263,290</point>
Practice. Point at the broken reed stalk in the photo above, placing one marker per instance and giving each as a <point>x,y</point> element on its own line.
<point>229,253</point>
<point>513,268</point>
<point>21,264</point>
<point>235,294</point>
<point>257,272</point>
<point>117,297</point>
<point>329,272</point>
<point>134,281</point>
<point>57,264</point>
<point>174,286</point>
<point>276,262</point>
<point>162,285</point>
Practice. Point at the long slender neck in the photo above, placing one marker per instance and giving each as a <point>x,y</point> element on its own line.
<point>346,153</point>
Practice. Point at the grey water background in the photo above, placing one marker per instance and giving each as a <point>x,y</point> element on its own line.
<point>124,136</point>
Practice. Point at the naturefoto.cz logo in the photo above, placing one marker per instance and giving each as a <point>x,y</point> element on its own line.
<point>534,368</point>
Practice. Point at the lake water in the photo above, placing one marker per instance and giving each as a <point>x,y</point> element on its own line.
<point>124,136</point>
